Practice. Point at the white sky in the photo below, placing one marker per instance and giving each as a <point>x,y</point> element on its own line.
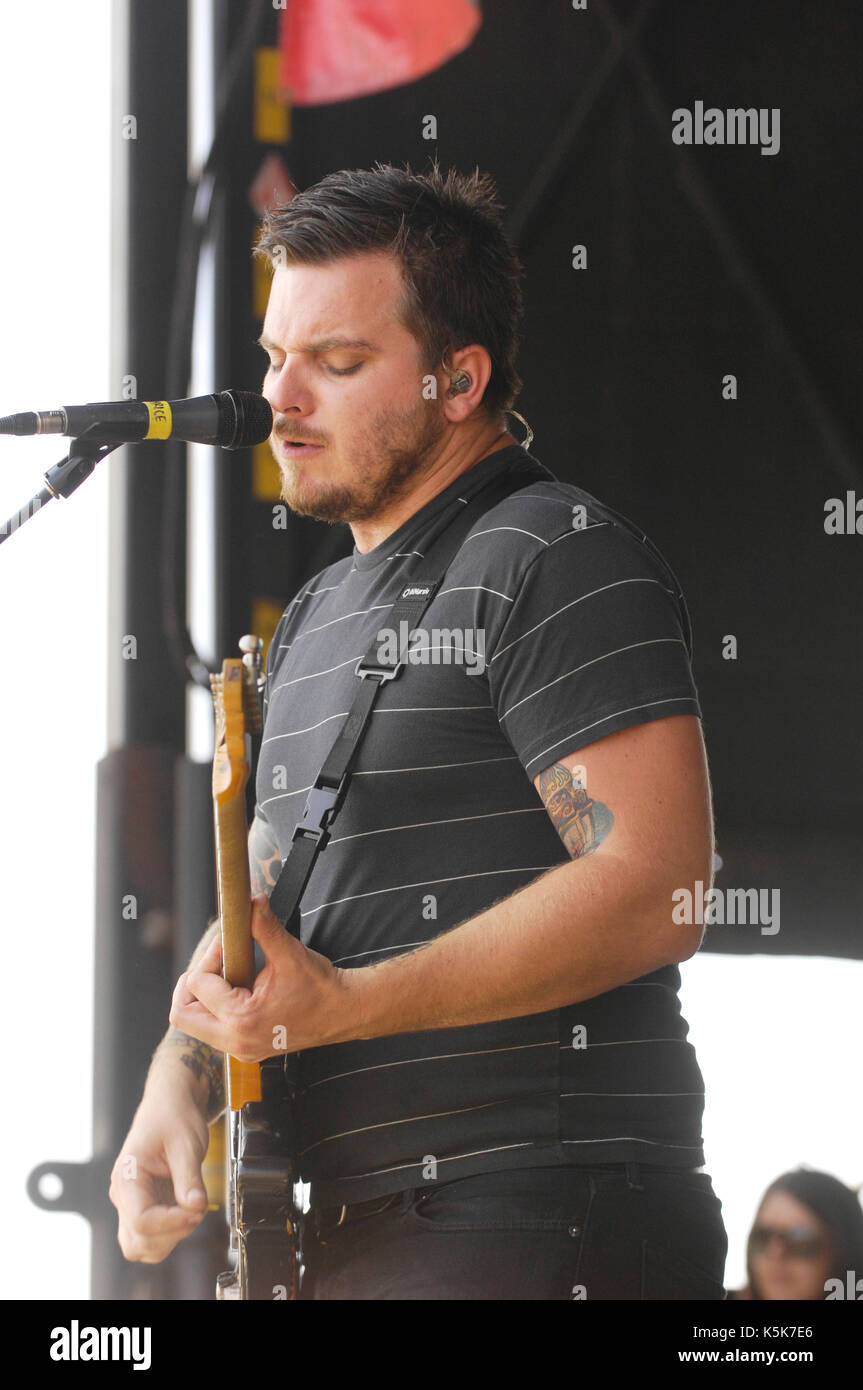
<point>776,1039</point>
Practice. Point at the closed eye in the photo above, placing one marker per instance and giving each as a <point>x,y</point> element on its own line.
<point>327,367</point>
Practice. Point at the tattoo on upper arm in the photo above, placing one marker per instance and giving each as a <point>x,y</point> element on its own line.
<point>581,823</point>
<point>265,862</point>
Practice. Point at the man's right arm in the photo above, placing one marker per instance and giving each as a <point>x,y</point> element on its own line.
<point>157,1184</point>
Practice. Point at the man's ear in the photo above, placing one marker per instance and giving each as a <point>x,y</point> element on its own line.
<point>463,385</point>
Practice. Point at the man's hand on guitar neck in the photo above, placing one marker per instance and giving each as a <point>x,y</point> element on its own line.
<point>296,984</point>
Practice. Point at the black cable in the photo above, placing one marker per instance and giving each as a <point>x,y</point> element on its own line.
<point>195,223</point>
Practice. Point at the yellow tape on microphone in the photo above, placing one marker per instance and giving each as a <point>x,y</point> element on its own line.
<point>161,422</point>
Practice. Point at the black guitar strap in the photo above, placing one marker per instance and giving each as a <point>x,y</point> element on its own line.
<point>326,796</point>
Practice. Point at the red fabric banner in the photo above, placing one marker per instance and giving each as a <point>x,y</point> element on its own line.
<point>333,50</point>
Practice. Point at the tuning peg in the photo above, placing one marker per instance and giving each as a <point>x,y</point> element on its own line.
<point>252,648</point>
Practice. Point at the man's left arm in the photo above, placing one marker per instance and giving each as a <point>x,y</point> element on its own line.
<point>637,823</point>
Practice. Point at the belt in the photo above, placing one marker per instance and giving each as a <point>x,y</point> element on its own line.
<point>329,1218</point>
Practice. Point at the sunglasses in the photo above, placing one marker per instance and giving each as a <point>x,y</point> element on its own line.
<point>800,1242</point>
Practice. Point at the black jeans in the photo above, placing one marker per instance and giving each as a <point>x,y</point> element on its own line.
<point>614,1231</point>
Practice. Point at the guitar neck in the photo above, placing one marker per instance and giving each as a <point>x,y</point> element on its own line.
<point>261,1185</point>
<point>230,775</point>
<point>232,859</point>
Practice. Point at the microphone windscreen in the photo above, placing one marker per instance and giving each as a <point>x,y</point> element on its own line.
<point>254,420</point>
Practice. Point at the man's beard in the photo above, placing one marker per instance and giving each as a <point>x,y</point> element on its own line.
<point>388,453</point>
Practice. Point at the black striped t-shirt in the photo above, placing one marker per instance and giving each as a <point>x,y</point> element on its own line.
<point>558,623</point>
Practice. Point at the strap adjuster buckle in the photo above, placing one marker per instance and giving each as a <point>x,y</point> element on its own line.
<point>321,805</point>
<point>386,673</point>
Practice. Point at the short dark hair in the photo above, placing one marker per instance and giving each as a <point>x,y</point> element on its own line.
<point>460,272</point>
<point>836,1205</point>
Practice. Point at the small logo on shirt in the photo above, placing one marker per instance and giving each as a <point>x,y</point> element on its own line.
<point>416,591</point>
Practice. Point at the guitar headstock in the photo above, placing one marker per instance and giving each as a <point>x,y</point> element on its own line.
<point>237,707</point>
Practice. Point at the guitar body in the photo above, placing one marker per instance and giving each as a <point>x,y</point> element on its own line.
<point>262,1213</point>
<point>262,1216</point>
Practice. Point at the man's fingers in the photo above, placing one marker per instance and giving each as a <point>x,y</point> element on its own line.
<point>163,1220</point>
<point>212,958</point>
<point>156,1231</point>
<point>183,996</point>
<point>216,995</point>
<point>200,1002</point>
<point>133,1189</point>
<point>150,1225</point>
<point>187,1179</point>
<point>267,929</point>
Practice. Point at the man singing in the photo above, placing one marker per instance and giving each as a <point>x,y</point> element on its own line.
<point>497,1098</point>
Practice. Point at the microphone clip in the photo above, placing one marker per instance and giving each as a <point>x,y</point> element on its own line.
<point>70,472</point>
<point>61,480</point>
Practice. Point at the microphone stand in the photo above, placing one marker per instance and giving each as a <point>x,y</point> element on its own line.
<point>61,480</point>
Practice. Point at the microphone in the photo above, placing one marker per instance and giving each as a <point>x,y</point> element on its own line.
<point>231,419</point>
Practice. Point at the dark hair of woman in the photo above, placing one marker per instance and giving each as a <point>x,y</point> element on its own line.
<point>836,1206</point>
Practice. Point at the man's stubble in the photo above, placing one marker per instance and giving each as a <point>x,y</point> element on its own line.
<point>395,448</point>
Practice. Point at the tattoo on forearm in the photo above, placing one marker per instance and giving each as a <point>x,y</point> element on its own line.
<point>581,823</point>
<point>265,862</point>
<point>205,1064</point>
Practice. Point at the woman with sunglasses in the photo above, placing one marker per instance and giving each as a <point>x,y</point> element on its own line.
<point>807,1230</point>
